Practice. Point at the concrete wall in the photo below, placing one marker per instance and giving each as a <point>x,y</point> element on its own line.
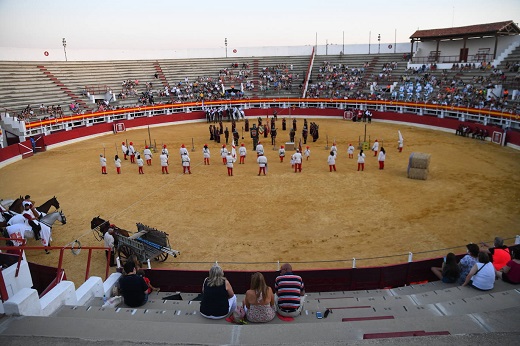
<point>37,54</point>
<point>14,284</point>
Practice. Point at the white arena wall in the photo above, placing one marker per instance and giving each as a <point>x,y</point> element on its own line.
<point>56,53</point>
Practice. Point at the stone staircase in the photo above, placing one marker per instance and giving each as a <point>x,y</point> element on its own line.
<point>434,311</point>
<point>64,88</point>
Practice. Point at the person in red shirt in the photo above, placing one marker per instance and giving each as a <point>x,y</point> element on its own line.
<point>511,271</point>
<point>150,289</point>
<point>499,254</point>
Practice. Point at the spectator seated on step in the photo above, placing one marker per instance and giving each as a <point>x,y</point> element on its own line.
<point>499,254</point>
<point>133,288</point>
<point>482,275</point>
<point>468,261</point>
<point>450,271</point>
<point>511,271</point>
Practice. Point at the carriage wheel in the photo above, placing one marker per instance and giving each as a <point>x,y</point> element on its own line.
<point>124,252</point>
<point>162,257</point>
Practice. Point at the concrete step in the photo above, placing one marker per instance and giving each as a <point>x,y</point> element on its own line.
<point>220,332</point>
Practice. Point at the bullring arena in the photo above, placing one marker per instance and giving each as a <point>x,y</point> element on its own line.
<point>364,242</point>
<point>315,219</point>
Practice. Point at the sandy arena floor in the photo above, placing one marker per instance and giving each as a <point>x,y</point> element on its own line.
<point>472,195</point>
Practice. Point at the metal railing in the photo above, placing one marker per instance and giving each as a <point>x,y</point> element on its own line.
<point>487,116</point>
<point>18,251</point>
<point>442,59</point>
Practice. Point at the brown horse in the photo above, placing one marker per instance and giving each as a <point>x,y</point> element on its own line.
<point>44,208</point>
<point>101,226</point>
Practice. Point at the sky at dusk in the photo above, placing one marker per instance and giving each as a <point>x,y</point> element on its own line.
<point>168,24</point>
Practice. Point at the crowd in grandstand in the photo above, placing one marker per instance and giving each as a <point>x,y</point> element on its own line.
<point>464,84</point>
<point>336,81</point>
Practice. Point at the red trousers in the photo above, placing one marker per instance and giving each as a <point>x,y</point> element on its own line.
<point>206,161</point>
<point>281,158</point>
<point>242,159</point>
<point>186,169</point>
<point>104,170</point>
<point>332,167</point>
<point>260,170</point>
<point>164,169</point>
<point>297,167</point>
<point>141,170</point>
<point>361,165</point>
<point>132,158</point>
<point>149,162</point>
<point>118,169</point>
<point>381,164</point>
<point>230,171</point>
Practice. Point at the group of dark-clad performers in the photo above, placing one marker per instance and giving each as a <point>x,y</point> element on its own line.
<point>260,129</point>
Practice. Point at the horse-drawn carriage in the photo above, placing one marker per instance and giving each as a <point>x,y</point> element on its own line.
<point>147,243</point>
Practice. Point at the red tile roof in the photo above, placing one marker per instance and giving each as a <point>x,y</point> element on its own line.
<point>480,29</point>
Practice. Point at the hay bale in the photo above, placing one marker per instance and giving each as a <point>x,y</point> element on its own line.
<point>419,160</point>
<point>417,173</point>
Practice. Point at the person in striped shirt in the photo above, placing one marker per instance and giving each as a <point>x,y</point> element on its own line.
<point>289,291</point>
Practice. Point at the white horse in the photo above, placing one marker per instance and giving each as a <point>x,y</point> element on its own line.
<point>20,231</point>
<point>42,228</point>
<point>48,219</point>
<point>51,218</point>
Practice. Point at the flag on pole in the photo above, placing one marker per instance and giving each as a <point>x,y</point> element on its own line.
<point>233,151</point>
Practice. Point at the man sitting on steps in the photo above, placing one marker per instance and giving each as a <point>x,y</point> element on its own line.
<point>133,287</point>
<point>290,292</point>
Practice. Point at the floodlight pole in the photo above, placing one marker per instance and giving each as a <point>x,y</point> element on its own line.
<point>64,47</point>
<point>225,43</point>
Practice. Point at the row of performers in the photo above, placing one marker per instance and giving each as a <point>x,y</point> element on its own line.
<point>214,115</point>
<point>260,129</point>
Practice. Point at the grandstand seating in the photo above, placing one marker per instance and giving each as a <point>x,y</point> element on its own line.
<point>419,310</point>
<point>63,83</point>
